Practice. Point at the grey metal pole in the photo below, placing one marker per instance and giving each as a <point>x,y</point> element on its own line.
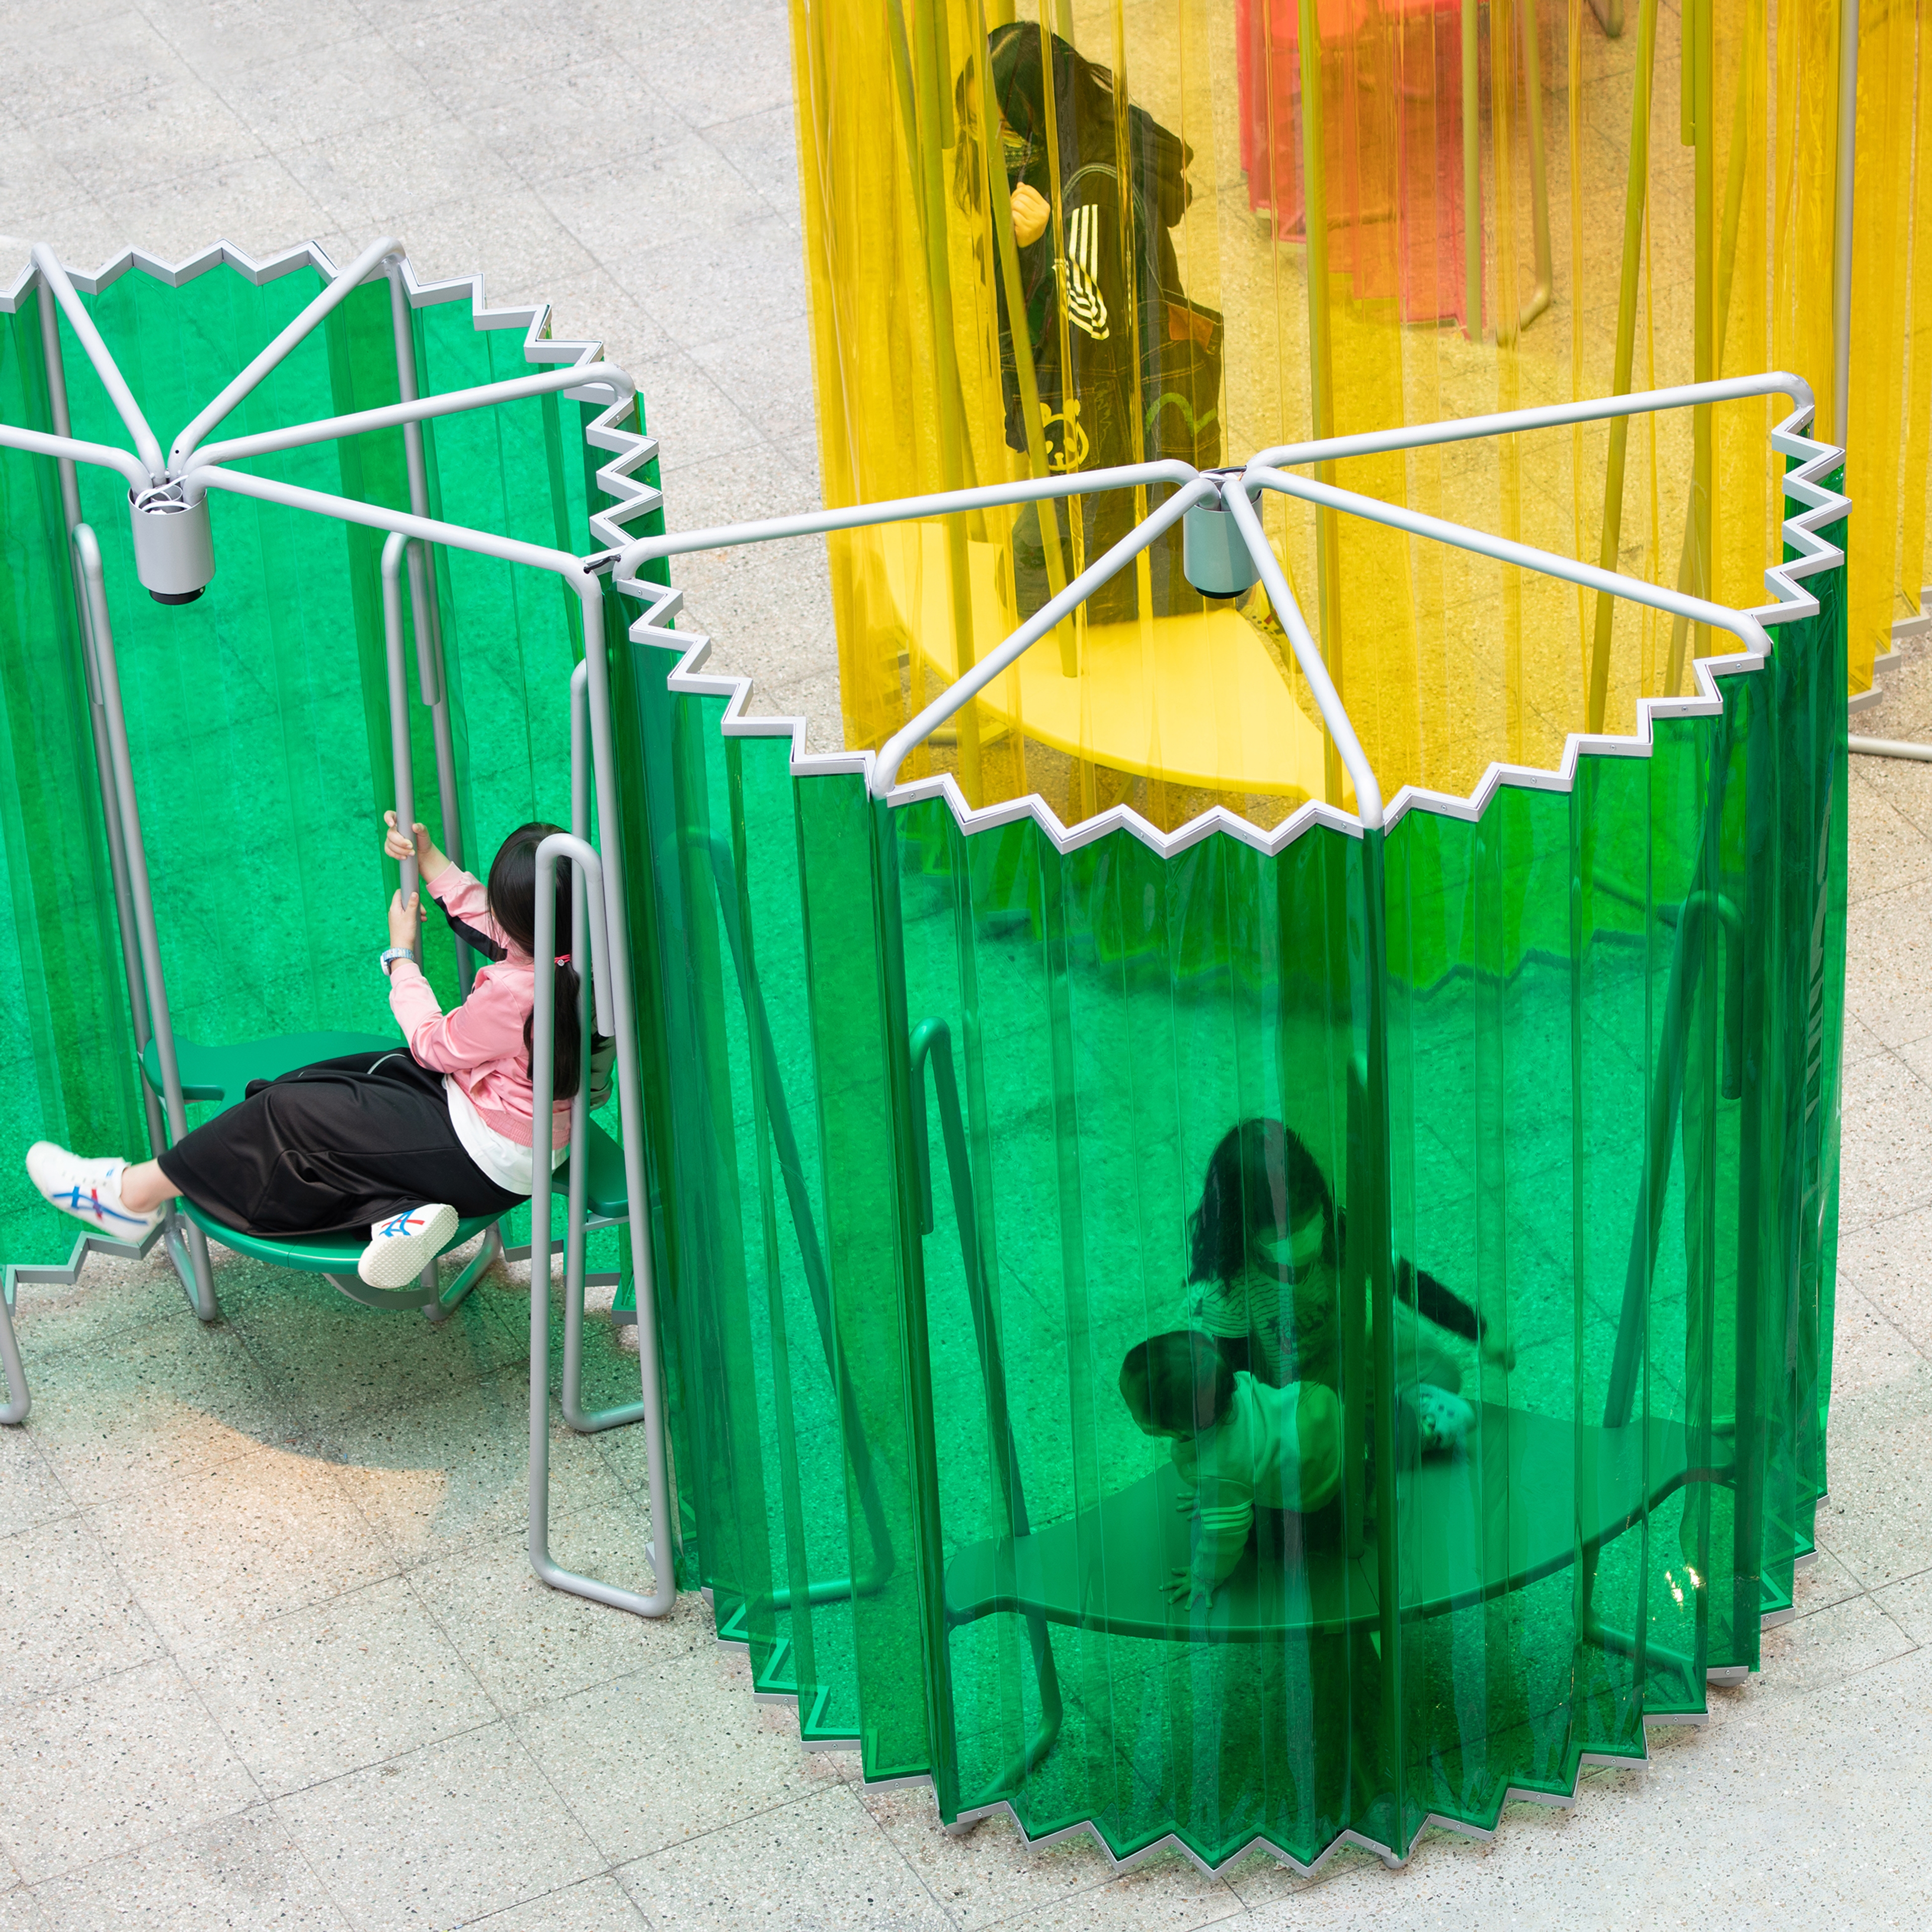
<point>103,764</point>
<point>576,1230</point>
<point>616,974</point>
<point>418,409</point>
<point>402,772</point>
<point>892,753</point>
<point>543,1082</point>
<point>431,679</point>
<point>54,277</point>
<point>278,351</point>
<point>202,1298</point>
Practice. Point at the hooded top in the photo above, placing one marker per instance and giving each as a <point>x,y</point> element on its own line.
<point>1105,332</point>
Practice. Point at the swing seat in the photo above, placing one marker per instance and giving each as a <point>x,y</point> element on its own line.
<point>1515,1504</point>
<point>220,1075</point>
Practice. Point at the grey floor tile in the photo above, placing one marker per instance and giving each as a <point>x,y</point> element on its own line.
<point>509,238</point>
<point>686,411</point>
<point>93,1772</point>
<point>67,1616</point>
<point>1886,849</point>
<point>683,1742</point>
<point>309,1696</point>
<point>724,279</point>
<point>1828,1646</point>
<point>530,1644</point>
<point>168,1400</point>
<point>1877,1520</point>
<point>738,63</point>
<point>1821,1581</point>
<point>1887,987</point>
<point>241,1872</point>
<point>1887,1262</point>
<point>213,36</point>
<point>138,136</point>
<point>411,161</point>
<point>1909,1604</point>
<point>820,1862</point>
<point>763,146</point>
<point>262,1534</point>
<point>1887,1120</point>
<point>78,65</point>
<point>990,1874</point>
<point>443,1475</point>
<point>20,1910</point>
<point>30,1494</point>
<point>1168,1893</point>
<point>296,98</point>
<point>450,1833</point>
<point>1867,1346</point>
<point>599,1904</point>
<point>331,1360</point>
<point>768,376</point>
<point>593,110</point>
<point>253,203</point>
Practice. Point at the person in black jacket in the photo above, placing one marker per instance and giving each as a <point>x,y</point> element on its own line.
<point>1137,356</point>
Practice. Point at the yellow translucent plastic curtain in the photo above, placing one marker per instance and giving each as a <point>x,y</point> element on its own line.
<point>1670,188</point>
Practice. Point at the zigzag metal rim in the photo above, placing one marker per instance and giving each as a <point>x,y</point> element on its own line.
<point>1821,505</point>
<point>632,448</point>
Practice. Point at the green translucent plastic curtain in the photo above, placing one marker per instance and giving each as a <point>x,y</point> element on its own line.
<point>1606,1009</point>
<point>258,716</point>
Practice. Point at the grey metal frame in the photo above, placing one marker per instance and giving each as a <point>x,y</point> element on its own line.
<point>604,984</point>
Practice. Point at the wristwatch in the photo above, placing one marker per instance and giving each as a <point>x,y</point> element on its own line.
<point>391,954</point>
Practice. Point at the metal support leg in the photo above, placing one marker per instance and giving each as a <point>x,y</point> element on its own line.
<point>491,1249</point>
<point>543,1064</point>
<point>14,1410</point>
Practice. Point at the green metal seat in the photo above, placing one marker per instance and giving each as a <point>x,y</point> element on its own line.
<point>221,1075</point>
<point>1473,1524</point>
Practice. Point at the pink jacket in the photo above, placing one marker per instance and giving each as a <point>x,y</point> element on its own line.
<point>480,1046</point>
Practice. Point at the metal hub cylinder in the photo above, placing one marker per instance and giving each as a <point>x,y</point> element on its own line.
<point>1212,552</point>
<point>174,549</point>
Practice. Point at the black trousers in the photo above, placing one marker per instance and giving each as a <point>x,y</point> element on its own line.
<point>329,1148</point>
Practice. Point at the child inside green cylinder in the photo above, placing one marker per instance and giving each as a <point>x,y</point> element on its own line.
<point>1239,1445</point>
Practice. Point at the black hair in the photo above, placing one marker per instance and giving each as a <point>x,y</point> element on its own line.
<point>1084,110</point>
<point>1162,1379</point>
<point>1260,1176</point>
<point>512,888</point>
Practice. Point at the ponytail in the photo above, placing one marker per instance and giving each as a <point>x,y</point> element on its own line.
<point>513,902</point>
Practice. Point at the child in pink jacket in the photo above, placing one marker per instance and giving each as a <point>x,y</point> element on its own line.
<point>405,1142</point>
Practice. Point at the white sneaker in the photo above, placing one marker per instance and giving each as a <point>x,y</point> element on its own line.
<point>89,1190</point>
<point>402,1247</point>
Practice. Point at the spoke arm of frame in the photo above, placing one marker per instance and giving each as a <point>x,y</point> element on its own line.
<point>377,516</point>
<point>1555,416</point>
<point>145,441</point>
<point>617,386</point>
<point>898,510</point>
<point>885,773</point>
<point>36,442</point>
<point>317,312</point>
<point>1740,624</point>
<point>1308,656</point>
